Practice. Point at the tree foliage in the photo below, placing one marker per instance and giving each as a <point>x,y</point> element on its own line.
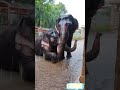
<point>46,12</point>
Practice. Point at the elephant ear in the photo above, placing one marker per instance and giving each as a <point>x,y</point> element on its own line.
<point>76,25</point>
<point>57,20</point>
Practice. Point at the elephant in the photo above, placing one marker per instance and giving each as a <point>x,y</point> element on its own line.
<point>24,45</point>
<point>17,48</point>
<point>93,53</point>
<point>91,8</point>
<point>65,26</point>
<point>47,45</point>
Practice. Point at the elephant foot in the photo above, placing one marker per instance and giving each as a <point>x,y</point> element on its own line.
<point>69,56</point>
<point>54,61</point>
<point>61,58</point>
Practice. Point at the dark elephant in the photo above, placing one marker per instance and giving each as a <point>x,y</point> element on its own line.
<point>66,26</point>
<point>48,46</point>
<point>7,49</point>
<point>91,8</point>
<point>17,49</point>
<point>24,45</point>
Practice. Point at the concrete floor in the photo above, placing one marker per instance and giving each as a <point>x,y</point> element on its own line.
<point>13,81</point>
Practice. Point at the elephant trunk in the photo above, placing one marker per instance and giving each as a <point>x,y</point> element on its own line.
<point>68,49</point>
<point>91,55</point>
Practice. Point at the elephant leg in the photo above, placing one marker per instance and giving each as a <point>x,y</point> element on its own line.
<point>48,55</point>
<point>69,44</point>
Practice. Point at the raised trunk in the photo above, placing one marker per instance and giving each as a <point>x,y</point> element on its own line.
<point>91,55</point>
<point>71,49</point>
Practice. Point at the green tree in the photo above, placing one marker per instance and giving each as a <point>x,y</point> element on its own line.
<point>46,12</point>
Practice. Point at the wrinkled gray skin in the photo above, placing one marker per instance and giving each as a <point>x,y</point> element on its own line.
<point>17,49</point>
<point>94,52</point>
<point>24,45</point>
<point>65,26</point>
<point>51,47</point>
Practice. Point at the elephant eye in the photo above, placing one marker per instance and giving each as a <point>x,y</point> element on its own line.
<point>66,24</point>
<point>58,25</point>
<point>70,22</point>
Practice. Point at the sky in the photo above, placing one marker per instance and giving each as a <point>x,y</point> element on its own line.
<point>76,8</point>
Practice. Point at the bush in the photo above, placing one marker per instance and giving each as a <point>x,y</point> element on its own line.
<point>77,36</point>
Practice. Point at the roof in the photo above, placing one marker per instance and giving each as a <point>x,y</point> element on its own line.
<point>16,8</point>
<point>15,5</point>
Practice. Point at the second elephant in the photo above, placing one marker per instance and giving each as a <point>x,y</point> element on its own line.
<point>49,46</point>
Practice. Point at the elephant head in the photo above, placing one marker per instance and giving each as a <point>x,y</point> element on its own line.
<point>65,26</point>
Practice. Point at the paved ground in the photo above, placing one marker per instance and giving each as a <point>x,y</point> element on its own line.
<point>51,76</point>
<point>103,68</point>
<point>12,81</point>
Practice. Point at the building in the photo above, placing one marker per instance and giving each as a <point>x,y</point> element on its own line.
<point>12,11</point>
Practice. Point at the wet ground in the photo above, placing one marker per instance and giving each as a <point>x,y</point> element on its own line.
<point>13,81</point>
<point>50,76</point>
